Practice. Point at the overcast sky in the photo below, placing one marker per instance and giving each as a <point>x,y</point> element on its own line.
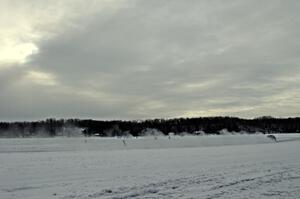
<point>119,59</point>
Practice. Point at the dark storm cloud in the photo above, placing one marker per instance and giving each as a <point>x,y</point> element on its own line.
<point>166,59</point>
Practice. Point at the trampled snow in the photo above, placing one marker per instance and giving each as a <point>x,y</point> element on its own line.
<point>227,166</point>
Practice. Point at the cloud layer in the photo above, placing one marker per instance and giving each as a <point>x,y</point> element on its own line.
<point>146,59</point>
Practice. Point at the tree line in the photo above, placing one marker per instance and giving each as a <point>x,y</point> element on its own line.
<point>208,125</point>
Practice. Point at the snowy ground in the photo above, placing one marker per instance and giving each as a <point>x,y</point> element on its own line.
<point>228,166</point>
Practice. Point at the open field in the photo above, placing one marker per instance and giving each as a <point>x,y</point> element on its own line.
<point>227,166</point>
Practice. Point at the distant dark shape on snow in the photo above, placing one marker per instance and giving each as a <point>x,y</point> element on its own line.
<point>272,137</point>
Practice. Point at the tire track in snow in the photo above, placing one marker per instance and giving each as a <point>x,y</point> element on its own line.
<point>212,184</point>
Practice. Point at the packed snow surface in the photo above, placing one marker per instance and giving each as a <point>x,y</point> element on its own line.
<point>224,166</point>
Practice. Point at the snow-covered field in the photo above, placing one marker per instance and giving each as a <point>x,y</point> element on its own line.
<point>227,166</point>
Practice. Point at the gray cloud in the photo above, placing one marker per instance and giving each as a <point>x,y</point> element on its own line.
<point>148,59</point>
